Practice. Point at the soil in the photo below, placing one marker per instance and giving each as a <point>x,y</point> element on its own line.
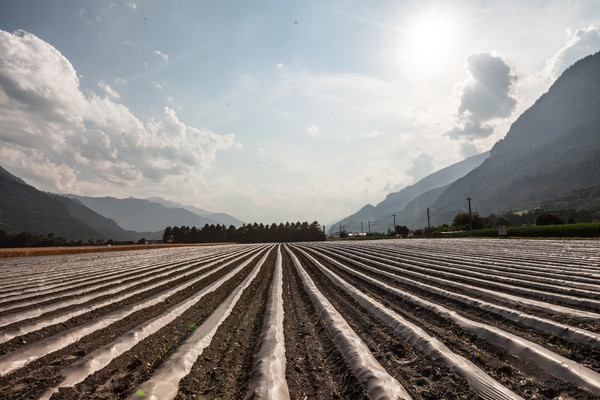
<point>315,367</point>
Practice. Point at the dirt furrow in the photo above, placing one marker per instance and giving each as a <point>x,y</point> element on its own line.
<point>223,369</point>
<point>423,378</point>
<point>41,374</point>
<point>315,369</point>
<point>525,379</point>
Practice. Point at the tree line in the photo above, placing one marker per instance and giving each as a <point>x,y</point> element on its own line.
<point>247,233</point>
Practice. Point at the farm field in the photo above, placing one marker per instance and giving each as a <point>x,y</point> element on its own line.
<point>392,319</point>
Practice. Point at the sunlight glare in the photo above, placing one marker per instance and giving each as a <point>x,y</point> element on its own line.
<point>431,40</point>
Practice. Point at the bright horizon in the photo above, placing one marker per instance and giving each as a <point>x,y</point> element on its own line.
<point>267,111</point>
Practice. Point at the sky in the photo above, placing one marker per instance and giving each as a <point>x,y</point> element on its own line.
<point>270,111</point>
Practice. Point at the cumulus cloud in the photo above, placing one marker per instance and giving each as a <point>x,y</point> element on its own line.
<point>579,44</point>
<point>484,97</point>
<point>70,140</point>
<point>161,55</point>
<point>108,90</point>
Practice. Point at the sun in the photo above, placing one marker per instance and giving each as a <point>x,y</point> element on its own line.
<point>430,39</point>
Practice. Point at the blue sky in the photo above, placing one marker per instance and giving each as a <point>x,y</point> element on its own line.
<point>270,110</point>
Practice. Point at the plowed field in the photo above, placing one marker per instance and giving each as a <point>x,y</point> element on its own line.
<point>395,319</point>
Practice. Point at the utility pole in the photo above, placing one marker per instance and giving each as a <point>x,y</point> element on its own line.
<point>394,215</point>
<point>361,228</point>
<point>369,227</point>
<point>428,226</point>
<point>470,215</point>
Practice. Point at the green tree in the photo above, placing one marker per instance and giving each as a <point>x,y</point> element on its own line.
<point>167,234</point>
<point>548,219</point>
<point>402,230</point>
<point>461,221</point>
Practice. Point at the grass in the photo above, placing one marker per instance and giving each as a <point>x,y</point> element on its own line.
<point>53,251</point>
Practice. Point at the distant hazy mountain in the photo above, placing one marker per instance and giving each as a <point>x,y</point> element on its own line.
<point>23,208</point>
<point>220,218</point>
<point>142,215</point>
<point>552,150</point>
<point>419,196</point>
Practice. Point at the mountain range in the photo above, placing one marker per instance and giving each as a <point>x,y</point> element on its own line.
<point>549,158</point>
<point>23,208</point>
<point>409,204</point>
<point>153,214</point>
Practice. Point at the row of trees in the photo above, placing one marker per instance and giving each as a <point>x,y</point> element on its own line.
<point>250,233</point>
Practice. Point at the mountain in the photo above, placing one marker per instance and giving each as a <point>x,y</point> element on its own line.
<point>397,201</point>
<point>552,150</point>
<point>106,227</point>
<point>142,215</point>
<point>23,208</point>
<point>7,175</point>
<point>220,218</point>
<point>410,203</point>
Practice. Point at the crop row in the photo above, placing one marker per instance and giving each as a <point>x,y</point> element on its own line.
<point>381,320</point>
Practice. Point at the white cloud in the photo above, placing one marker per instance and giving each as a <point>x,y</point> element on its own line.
<point>126,42</point>
<point>313,131</point>
<point>71,141</point>
<point>108,90</point>
<point>161,55</point>
<point>132,5</point>
<point>484,97</point>
<point>158,85</point>
<point>579,44</point>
